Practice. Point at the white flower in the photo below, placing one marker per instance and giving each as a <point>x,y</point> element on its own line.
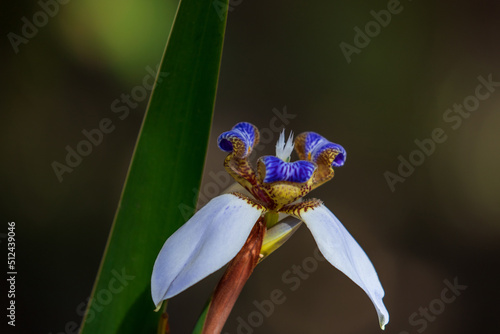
<point>218,231</point>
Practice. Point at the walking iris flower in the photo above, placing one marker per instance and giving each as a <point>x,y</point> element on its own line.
<point>222,229</point>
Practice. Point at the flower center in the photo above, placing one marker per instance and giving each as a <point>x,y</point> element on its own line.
<point>278,182</point>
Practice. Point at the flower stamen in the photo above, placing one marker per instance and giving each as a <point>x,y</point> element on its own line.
<point>284,150</point>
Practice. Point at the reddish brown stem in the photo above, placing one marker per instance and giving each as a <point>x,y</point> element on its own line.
<point>233,280</point>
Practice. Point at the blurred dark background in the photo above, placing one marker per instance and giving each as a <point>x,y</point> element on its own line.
<point>439,227</point>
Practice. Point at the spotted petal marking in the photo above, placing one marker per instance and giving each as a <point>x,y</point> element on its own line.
<point>279,170</point>
<point>239,140</point>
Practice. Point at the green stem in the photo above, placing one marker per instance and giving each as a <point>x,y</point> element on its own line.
<point>163,325</point>
<point>271,218</point>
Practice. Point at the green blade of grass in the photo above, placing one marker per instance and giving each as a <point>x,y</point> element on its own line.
<point>198,328</point>
<point>167,164</point>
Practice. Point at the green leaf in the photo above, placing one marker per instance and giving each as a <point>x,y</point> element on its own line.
<point>167,165</point>
<point>198,328</point>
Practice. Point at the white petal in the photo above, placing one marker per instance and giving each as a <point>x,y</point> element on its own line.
<point>205,243</point>
<point>341,250</point>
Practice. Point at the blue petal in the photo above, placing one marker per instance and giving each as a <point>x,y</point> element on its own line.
<point>312,146</point>
<point>279,170</point>
<point>239,140</point>
<point>339,158</point>
<point>313,140</point>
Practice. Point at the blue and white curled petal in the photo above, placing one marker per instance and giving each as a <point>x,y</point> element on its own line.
<point>343,252</point>
<point>204,244</point>
<point>239,140</point>
<point>313,147</point>
<point>278,170</point>
<point>330,149</point>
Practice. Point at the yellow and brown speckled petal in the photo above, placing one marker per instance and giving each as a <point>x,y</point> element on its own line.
<point>298,208</point>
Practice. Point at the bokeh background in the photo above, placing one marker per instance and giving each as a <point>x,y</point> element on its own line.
<point>442,224</point>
